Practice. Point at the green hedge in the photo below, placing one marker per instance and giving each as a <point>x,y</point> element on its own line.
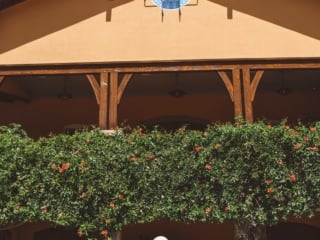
<point>249,173</point>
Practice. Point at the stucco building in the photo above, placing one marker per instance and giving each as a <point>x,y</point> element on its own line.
<point>71,63</point>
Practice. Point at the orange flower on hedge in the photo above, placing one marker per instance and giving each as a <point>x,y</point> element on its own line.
<point>315,149</point>
<point>134,158</point>
<point>80,233</point>
<point>297,146</point>
<point>208,166</point>
<point>64,166</point>
<point>150,157</point>
<point>197,149</point>
<point>227,208</point>
<point>269,190</point>
<point>293,177</point>
<point>313,129</point>
<point>207,210</point>
<point>112,205</point>
<point>120,197</point>
<point>217,145</point>
<point>306,139</point>
<point>104,233</point>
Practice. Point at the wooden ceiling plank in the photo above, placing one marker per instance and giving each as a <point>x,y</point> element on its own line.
<point>124,82</point>
<point>95,86</point>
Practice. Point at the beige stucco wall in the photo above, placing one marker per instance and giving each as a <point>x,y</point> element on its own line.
<point>73,31</point>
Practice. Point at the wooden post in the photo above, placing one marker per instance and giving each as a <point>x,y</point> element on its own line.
<point>237,96</point>
<point>113,100</point>
<point>103,106</point>
<point>247,95</point>
<point>250,88</point>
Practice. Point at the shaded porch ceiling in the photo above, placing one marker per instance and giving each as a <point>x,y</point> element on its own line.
<point>158,83</point>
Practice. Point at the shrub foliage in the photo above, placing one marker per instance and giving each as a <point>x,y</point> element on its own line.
<point>253,174</point>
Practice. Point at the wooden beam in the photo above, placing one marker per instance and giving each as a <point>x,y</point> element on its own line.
<point>134,69</point>
<point>255,83</point>
<point>95,86</point>
<point>62,71</point>
<point>124,82</point>
<point>247,94</point>
<point>113,100</point>
<point>143,67</point>
<point>237,95</point>
<point>173,68</point>
<point>103,100</point>
<point>282,66</point>
<point>228,83</point>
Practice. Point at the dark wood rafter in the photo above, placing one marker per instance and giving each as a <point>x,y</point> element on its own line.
<point>113,100</point>
<point>227,82</point>
<point>250,88</point>
<point>95,86</point>
<point>103,106</point>
<point>124,82</point>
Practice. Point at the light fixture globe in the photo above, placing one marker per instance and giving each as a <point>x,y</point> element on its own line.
<point>160,238</point>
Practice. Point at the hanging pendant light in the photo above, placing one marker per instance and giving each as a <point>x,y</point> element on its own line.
<point>65,95</point>
<point>176,92</point>
<point>283,90</point>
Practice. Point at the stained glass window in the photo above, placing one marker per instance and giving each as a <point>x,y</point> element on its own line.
<point>170,4</point>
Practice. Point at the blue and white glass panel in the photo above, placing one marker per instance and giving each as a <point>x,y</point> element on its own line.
<point>170,4</point>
